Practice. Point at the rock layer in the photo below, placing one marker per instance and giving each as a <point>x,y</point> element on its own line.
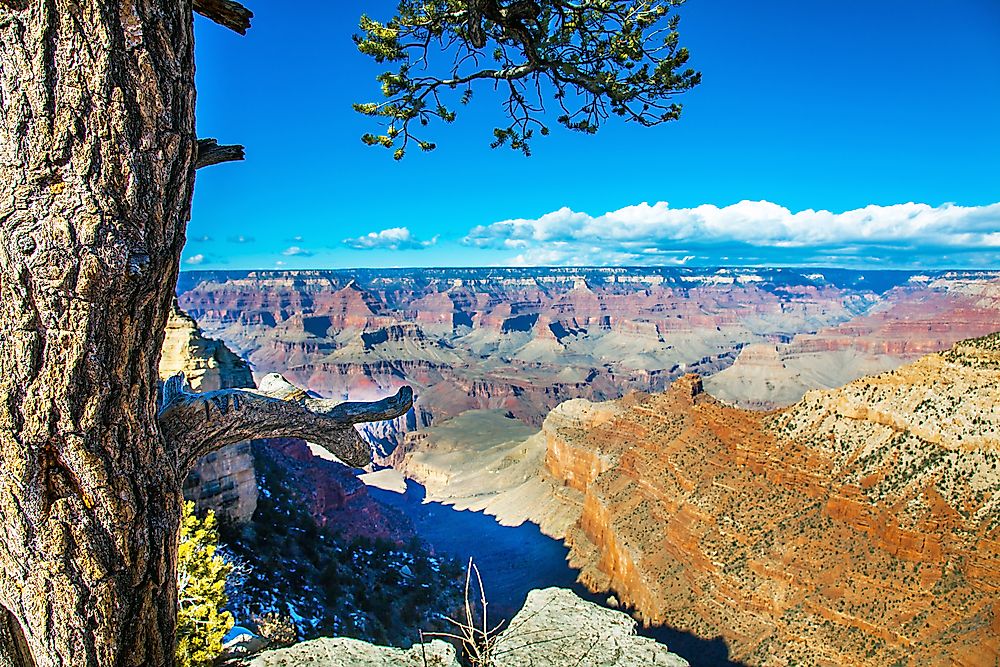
<point>923,317</point>
<point>860,526</point>
<point>517,340</point>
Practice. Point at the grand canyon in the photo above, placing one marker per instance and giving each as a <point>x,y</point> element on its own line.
<point>858,526</point>
<point>524,340</point>
<point>802,463</point>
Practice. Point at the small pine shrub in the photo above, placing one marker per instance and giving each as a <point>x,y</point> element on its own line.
<point>201,591</point>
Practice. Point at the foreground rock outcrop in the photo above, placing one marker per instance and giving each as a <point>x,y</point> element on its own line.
<point>557,628</point>
<point>345,652</point>
<point>554,629</point>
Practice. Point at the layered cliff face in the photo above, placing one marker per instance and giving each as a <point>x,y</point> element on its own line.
<point>924,316</point>
<point>207,363</point>
<point>517,340</point>
<point>222,481</point>
<point>860,526</point>
<point>331,493</point>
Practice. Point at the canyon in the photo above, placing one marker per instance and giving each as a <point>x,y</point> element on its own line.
<point>926,315</point>
<point>525,340</point>
<point>667,426</point>
<point>859,526</point>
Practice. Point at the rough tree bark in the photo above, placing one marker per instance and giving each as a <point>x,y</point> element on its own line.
<point>97,160</point>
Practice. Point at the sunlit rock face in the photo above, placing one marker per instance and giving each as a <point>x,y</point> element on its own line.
<point>555,627</point>
<point>347,652</point>
<point>222,481</point>
<point>859,526</point>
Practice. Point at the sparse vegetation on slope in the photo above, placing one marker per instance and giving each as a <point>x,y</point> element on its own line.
<point>862,521</point>
<point>982,352</point>
<point>375,590</point>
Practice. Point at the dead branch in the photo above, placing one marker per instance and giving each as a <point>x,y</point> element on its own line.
<point>210,152</point>
<point>226,13</point>
<point>478,643</point>
<point>197,424</point>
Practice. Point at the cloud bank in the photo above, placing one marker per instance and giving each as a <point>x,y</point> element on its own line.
<point>751,232</point>
<point>395,238</point>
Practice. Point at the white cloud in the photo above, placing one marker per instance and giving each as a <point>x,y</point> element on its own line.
<point>241,239</point>
<point>395,238</point>
<point>195,260</point>
<point>646,234</point>
<point>296,251</point>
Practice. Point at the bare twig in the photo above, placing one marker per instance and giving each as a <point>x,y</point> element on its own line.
<point>477,641</point>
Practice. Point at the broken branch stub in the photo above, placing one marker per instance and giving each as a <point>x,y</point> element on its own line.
<point>226,13</point>
<point>199,423</point>
<point>211,152</point>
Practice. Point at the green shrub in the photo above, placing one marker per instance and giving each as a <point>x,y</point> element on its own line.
<point>201,591</point>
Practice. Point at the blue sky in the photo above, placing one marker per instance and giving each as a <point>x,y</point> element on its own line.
<point>836,115</point>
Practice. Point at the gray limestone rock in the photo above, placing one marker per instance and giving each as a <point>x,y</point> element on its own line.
<point>344,652</point>
<point>555,628</point>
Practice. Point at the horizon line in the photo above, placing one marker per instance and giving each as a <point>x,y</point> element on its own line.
<point>671,267</point>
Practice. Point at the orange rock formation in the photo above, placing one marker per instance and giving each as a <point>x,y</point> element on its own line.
<point>861,526</point>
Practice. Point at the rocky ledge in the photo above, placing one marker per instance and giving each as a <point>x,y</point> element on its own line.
<point>224,481</point>
<point>554,628</point>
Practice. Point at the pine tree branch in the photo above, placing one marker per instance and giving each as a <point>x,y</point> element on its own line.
<point>210,152</point>
<point>197,424</point>
<point>226,13</point>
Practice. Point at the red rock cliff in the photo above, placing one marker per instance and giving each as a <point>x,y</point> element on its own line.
<point>860,526</point>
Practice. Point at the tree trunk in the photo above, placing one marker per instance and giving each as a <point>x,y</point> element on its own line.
<point>97,159</point>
